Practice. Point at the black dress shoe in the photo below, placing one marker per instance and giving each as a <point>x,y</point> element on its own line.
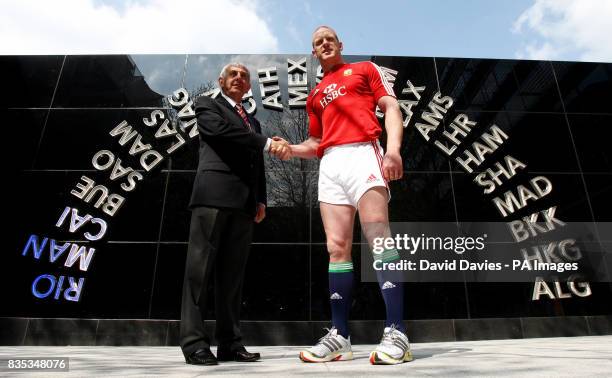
<point>238,355</point>
<point>202,357</point>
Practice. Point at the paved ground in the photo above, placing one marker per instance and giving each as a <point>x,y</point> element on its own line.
<point>552,357</point>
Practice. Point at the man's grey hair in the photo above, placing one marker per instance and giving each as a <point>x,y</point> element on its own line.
<point>223,73</point>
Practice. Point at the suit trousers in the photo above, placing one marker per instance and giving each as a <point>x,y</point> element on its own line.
<point>219,243</point>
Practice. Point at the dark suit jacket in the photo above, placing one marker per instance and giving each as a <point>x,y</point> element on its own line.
<point>231,166</point>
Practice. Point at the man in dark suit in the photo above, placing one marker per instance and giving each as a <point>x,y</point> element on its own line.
<point>229,194</point>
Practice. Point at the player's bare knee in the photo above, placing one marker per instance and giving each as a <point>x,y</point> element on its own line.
<point>339,250</point>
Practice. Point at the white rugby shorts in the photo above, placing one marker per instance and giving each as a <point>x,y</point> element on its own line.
<point>348,171</point>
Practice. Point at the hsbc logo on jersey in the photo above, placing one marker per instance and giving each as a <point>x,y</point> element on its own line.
<point>330,88</point>
<point>331,93</point>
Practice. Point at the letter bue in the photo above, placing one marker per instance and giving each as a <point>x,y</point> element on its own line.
<point>113,203</point>
<point>109,203</point>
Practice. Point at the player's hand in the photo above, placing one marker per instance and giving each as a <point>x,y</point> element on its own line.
<point>280,148</point>
<point>392,166</point>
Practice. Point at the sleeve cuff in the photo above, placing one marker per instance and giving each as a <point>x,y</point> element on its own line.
<point>267,146</point>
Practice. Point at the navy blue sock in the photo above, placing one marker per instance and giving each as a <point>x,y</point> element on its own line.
<point>392,289</point>
<point>340,294</point>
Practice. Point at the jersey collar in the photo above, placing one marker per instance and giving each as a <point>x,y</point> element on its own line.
<point>335,68</point>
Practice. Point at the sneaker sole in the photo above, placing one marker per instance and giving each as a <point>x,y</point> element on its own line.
<point>306,356</point>
<point>380,358</point>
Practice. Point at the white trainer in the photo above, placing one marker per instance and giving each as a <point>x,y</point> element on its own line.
<point>331,347</point>
<point>394,348</point>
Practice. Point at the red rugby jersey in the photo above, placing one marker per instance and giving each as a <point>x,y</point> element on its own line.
<point>341,108</point>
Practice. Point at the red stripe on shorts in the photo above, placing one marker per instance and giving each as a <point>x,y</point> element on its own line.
<point>379,159</point>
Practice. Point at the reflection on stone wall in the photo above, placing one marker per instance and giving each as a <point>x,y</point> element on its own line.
<point>62,109</point>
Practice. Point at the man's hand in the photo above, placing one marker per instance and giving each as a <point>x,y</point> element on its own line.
<point>261,212</point>
<point>280,148</point>
<point>392,166</point>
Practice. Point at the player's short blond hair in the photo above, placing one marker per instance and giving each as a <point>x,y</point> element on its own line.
<point>325,27</point>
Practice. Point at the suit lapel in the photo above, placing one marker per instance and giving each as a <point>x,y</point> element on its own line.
<point>233,111</point>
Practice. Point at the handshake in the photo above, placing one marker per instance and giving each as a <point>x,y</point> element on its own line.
<point>280,148</point>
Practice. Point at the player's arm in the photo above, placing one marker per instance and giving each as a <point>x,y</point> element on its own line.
<point>307,149</point>
<point>392,161</point>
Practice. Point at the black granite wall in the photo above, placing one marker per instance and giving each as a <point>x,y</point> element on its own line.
<point>58,110</point>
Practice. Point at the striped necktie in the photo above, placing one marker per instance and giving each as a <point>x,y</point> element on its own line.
<point>242,113</point>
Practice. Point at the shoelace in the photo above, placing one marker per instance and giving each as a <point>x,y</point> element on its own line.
<point>328,335</point>
<point>389,336</point>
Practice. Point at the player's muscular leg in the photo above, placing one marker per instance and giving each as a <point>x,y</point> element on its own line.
<point>373,213</point>
<point>338,223</point>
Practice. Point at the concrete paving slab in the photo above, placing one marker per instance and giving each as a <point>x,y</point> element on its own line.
<point>589,356</point>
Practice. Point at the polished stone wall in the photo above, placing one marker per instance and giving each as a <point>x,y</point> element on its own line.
<point>58,111</point>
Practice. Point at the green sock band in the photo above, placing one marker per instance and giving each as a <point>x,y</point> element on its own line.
<point>340,267</point>
<point>388,255</point>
